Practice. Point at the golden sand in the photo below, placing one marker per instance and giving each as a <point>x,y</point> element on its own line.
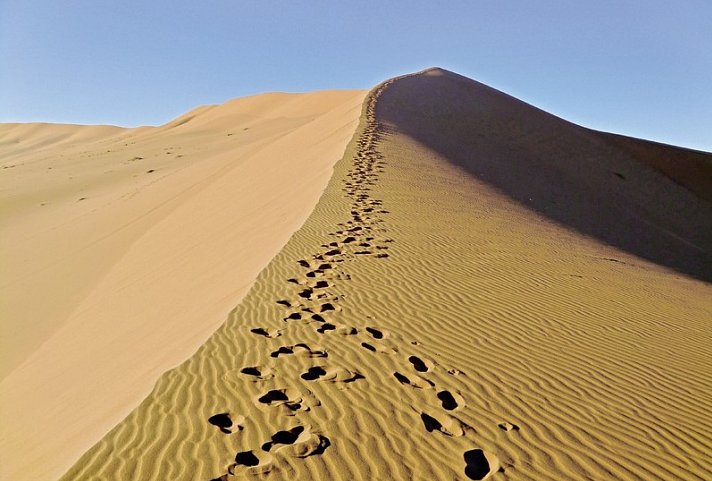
<point>483,291</point>
<point>124,249</point>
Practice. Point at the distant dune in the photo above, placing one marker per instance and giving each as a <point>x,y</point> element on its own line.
<point>482,291</point>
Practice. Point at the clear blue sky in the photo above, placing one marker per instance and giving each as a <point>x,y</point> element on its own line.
<point>638,67</point>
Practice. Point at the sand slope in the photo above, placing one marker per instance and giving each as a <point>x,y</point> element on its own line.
<point>426,323</point>
<point>124,249</point>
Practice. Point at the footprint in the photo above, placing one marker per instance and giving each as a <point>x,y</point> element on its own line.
<point>326,327</point>
<point>505,426</point>
<point>421,365</point>
<point>227,423</point>
<point>288,399</point>
<point>333,374</point>
<point>443,423</point>
<point>295,316</point>
<point>250,463</point>
<point>299,442</point>
<point>266,332</point>
<point>378,348</point>
<point>258,373</point>
<point>416,381</point>
<point>284,302</point>
<point>376,333</point>
<point>481,464</point>
<point>327,306</point>
<point>300,349</point>
<point>337,328</point>
<point>450,401</point>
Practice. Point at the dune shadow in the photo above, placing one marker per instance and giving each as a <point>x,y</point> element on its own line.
<point>577,177</point>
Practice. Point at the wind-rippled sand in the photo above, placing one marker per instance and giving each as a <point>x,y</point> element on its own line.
<point>483,291</point>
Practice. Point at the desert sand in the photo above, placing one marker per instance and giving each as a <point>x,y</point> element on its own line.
<point>124,249</point>
<point>482,291</point>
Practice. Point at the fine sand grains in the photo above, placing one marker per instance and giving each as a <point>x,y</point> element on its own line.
<point>423,326</point>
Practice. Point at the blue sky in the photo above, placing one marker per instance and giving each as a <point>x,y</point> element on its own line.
<point>637,67</point>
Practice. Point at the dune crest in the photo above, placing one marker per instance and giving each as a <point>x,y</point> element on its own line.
<point>426,323</point>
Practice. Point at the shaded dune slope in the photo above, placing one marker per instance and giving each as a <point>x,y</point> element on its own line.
<point>423,325</point>
<point>585,180</point>
<point>691,169</point>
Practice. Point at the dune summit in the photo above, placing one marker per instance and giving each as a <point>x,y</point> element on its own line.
<point>482,291</point>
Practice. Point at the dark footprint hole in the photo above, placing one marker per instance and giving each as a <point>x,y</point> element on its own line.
<point>333,252</point>
<point>401,378</point>
<point>476,464</point>
<point>251,371</point>
<point>418,364</point>
<point>273,396</point>
<point>375,333</point>
<point>284,437</point>
<point>284,302</point>
<point>349,240</point>
<point>327,307</point>
<point>448,400</point>
<point>431,424</point>
<point>318,318</point>
<point>282,350</point>
<point>303,263</point>
<point>368,346</point>
<point>323,444</point>
<point>294,316</point>
<point>306,293</point>
<point>246,458</point>
<point>325,267</point>
<point>326,327</point>
<point>222,421</point>
<point>508,427</point>
<point>314,373</point>
<point>321,285</point>
<point>259,331</point>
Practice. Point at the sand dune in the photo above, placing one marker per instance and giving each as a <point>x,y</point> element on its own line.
<point>429,322</point>
<point>444,314</point>
<point>124,249</point>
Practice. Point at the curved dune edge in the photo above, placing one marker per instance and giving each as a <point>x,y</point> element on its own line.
<point>94,314</point>
<point>422,325</point>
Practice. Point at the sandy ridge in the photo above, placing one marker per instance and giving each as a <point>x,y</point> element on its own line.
<point>421,325</point>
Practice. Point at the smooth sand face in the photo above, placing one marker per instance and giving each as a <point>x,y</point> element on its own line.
<point>424,324</point>
<point>124,249</point>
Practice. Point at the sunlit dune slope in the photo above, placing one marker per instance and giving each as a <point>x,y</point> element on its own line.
<point>122,250</point>
<point>463,303</point>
